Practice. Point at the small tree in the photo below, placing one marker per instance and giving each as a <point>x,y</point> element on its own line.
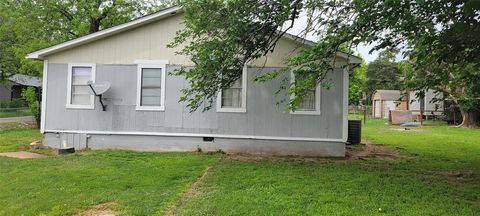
<point>357,81</point>
<point>30,95</point>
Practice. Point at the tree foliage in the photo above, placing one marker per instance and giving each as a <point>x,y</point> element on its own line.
<point>31,97</point>
<point>441,38</point>
<point>26,26</point>
<point>357,82</point>
<point>221,36</point>
<point>383,73</point>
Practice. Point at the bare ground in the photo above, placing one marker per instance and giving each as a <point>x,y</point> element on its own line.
<point>8,125</point>
<point>371,150</point>
<point>103,209</point>
<point>457,174</point>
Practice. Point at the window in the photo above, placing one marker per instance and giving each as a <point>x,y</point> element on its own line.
<point>78,92</point>
<point>311,102</point>
<point>234,98</point>
<point>308,103</point>
<point>151,85</point>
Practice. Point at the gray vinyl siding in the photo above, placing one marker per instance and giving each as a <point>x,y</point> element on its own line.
<point>263,116</point>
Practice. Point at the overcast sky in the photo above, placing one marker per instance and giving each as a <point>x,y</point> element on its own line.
<point>362,50</point>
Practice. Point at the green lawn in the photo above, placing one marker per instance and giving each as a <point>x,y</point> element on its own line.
<point>413,185</point>
<point>14,137</point>
<point>15,113</point>
<point>148,183</point>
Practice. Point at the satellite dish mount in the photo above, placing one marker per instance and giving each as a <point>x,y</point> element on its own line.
<point>98,89</point>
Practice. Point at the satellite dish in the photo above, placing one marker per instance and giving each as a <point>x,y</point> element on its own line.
<point>98,88</point>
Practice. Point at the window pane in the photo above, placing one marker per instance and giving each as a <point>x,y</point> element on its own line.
<point>151,87</point>
<point>81,75</point>
<point>150,101</point>
<point>80,89</point>
<point>232,97</point>
<point>81,99</point>
<point>308,102</point>
<point>151,82</point>
<point>80,94</point>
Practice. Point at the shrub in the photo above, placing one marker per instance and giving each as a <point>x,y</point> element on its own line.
<point>14,103</point>
<point>18,103</point>
<point>30,96</point>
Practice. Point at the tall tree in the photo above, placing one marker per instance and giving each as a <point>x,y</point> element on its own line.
<point>26,26</point>
<point>383,73</point>
<point>231,32</point>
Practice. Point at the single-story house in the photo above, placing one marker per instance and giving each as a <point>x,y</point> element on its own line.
<point>143,110</point>
<point>385,100</point>
<point>12,87</point>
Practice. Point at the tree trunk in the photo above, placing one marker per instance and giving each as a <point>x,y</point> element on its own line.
<point>94,25</point>
<point>469,119</point>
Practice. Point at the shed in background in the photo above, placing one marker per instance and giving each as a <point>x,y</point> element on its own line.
<point>386,100</point>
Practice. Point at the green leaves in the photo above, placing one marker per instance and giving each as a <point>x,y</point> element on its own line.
<point>26,26</point>
<point>436,35</point>
<point>220,37</point>
<point>30,96</point>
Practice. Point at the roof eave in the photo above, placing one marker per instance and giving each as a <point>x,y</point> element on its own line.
<point>352,59</point>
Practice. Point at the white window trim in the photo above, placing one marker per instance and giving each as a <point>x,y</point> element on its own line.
<point>44,96</point>
<point>69,86</point>
<point>162,64</point>
<point>243,108</point>
<point>317,110</point>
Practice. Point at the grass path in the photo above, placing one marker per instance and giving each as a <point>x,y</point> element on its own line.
<point>192,190</point>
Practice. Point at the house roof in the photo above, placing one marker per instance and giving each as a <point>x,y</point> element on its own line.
<point>25,80</point>
<point>40,54</point>
<point>388,95</point>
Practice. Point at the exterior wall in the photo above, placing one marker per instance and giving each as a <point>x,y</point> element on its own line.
<point>376,96</point>
<point>264,128</point>
<point>262,119</point>
<point>382,107</point>
<point>376,109</point>
<point>435,107</point>
<point>150,42</point>
<point>402,106</point>
<point>172,143</point>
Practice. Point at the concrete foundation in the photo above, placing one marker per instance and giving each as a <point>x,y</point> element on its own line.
<point>176,143</point>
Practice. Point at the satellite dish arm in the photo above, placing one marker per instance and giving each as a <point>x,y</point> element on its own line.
<point>104,107</point>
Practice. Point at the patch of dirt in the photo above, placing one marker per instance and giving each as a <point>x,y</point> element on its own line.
<point>457,174</point>
<point>371,151</point>
<point>8,125</point>
<point>22,155</point>
<point>103,209</point>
